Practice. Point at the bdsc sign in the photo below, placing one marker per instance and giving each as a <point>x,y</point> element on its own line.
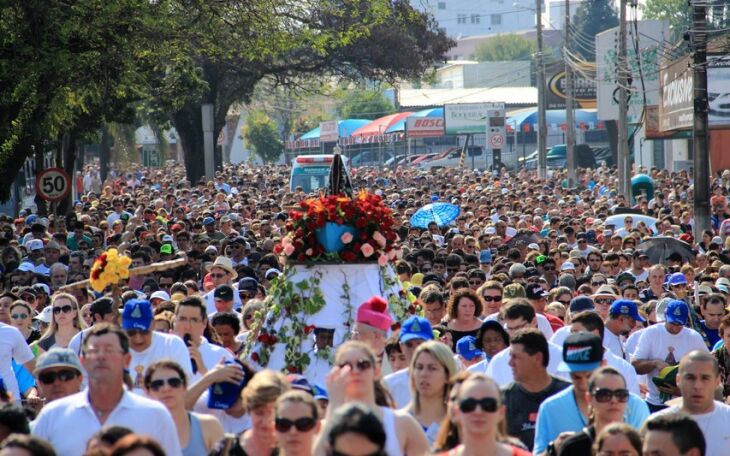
<point>52,184</point>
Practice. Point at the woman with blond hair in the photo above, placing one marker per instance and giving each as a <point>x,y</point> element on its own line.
<point>66,322</point>
<point>354,377</point>
<point>431,368</point>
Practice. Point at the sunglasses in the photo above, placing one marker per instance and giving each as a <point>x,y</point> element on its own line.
<point>360,365</point>
<point>603,301</point>
<point>548,268</point>
<point>65,309</point>
<point>605,395</point>
<point>172,382</point>
<point>303,424</point>
<point>48,378</point>
<point>598,284</point>
<point>565,303</point>
<point>488,298</point>
<point>19,316</point>
<point>475,282</point>
<point>488,404</point>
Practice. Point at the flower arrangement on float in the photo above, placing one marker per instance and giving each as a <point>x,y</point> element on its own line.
<point>338,228</point>
<point>109,269</point>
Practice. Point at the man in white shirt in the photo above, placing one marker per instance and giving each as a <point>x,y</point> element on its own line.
<point>697,379</point>
<point>663,345</point>
<point>221,272</point>
<point>68,423</point>
<point>415,331</point>
<point>147,346</point>
<point>622,317</point>
<point>189,326</point>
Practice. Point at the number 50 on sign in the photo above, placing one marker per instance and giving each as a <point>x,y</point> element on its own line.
<point>53,184</point>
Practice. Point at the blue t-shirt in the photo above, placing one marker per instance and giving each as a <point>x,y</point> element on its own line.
<point>25,379</point>
<point>560,413</point>
<point>713,335</point>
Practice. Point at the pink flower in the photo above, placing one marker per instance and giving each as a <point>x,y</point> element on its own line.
<point>346,238</point>
<point>382,260</point>
<point>392,254</point>
<point>309,252</point>
<point>367,250</point>
<point>289,249</point>
<point>286,240</point>
<point>379,238</point>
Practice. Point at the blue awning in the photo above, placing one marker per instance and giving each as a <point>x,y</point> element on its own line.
<point>553,116</point>
<point>346,127</point>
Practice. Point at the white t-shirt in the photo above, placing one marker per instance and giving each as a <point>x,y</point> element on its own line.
<point>12,346</point>
<point>714,427</point>
<point>656,342</point>
<point>500,370</point>
<point>69,422</point>
<point>212,355</point>
<point>626,369</point>
<point>615,344</point>
<point>398,385</point>
<point>542,324</point>
<point>560,335</point>
<point>163,346</point>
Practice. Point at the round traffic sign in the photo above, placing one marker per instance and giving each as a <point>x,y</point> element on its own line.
<point>52,184</point>
<point>496,140</point>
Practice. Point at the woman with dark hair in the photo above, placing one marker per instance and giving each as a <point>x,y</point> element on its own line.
<point>21,316</point>
<point>618,438</point>
<point>463,311</point>
<point>491,338</point>
<point>355,426</point>
<point>26,445</point>
<point>354,378</point>
<point>136,445</point>
<point>165,381</point>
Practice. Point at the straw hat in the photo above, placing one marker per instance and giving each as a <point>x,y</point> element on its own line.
<point>225,264</point>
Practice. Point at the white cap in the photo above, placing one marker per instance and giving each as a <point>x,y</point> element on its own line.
<point>161,294</point>
<point>567,266</point>
<point>46,315</point>
<point>34,244</point>
<point>26,267</point>
<point>533,246</point>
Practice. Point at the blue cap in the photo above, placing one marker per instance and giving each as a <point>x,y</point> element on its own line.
<point>137,314</point>
<point>223,395</point>
<point>582,352</point>
<point>627,308</point>
<point>320,393</point>
<point>29,220</point>
<point>677,312</point>
<point>677,279</point>
<point>415,328</point>
<point>208,221</point>
<point>467,349</point>
<point>485,256</point>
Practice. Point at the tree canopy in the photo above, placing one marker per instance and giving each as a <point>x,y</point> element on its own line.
<point>677,12</point>
<point>364,104</point>
<point>262,135</point>
<point>505,47</point>
<point>590,19</point>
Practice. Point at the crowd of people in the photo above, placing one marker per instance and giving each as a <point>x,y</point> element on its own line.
<point>540,326</point>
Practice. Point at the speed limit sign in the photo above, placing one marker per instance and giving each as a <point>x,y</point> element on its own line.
<point>52,184</point>
<point>496,140</point>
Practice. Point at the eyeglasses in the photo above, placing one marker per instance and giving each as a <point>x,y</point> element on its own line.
<point>488,404</point>
<point>360,365</point>
<point>19,316</point>
<point>136,332</point>
<point>65,309</point>
<point>548,268</point>
<point>172,382</point>
<point>452,269</point>
<point>605,395</point>
<point>488,298</point>
<point>48,378</point>
<point>303,424</point>
<point>564,302</point>
<point>597,284</point>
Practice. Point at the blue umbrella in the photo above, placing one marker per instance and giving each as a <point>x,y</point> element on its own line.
<point>441,213</point>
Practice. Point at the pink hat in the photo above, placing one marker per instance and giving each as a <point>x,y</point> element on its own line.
<point>374,312</point>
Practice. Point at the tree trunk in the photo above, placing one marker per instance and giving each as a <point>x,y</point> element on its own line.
<point>189,125</point>
<point>40,166</point>
<point>69,160</point>
<point>104,153</point>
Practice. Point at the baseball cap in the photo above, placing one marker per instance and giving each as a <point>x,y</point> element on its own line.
<point>533,246</point>
<point>677,279</point>
<point>160,294</point>
<point>223,395</point>
<point>137,314</point>
<point>582,352</point>
<point>626,308</point>
<point>166,249</point>
<point>42,288</point>
<point>300,382</point>
<point>320,393</point>
<point>432,278</point>
<point>567,266</point>
<point>208,221</point>
<point>485,256</point>
<point>223,292</point>
<point>248,284</point>
<point>677,312</point>
<point>415,327</point>
<point>535,291</point>
<point>57,357</point>
<point>26,267</point>
<point>581,303</point>
<point>517,268</point>
<point>45,315</point>
<point>513,290</point>
<point>625,276</point>
<point>34,244</point>
<point>374,312</point>
<point>467,349</point>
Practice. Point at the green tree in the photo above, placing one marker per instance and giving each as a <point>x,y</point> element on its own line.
<point>364,104</point>
<point>590,19</point>
<point>677,12</point>
<point>262,135</point>
<point>504,48</point>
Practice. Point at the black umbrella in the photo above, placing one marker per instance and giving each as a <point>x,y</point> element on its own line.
<point>659,248</point>
<point>340,181</point>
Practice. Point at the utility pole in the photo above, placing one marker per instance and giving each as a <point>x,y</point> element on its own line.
<point>569,117</point>
<point>541,123</point>
<point>624,163</point>
<point>700,145</point>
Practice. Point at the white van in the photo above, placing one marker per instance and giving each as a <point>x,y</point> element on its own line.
<point>311,172</point>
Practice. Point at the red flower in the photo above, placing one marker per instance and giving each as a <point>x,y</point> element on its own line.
<point>255,357</point>
<point>278,249</point>
<point>292,369</point>
<point>348,256</point>
<point>395,326</point>
<point>308,329</point>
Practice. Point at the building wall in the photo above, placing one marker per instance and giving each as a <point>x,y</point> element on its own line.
<point>480,17</point>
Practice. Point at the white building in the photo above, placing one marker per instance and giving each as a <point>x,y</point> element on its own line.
<point>462,18</point>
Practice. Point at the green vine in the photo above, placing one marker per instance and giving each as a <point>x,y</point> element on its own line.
<point>402,304</point>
